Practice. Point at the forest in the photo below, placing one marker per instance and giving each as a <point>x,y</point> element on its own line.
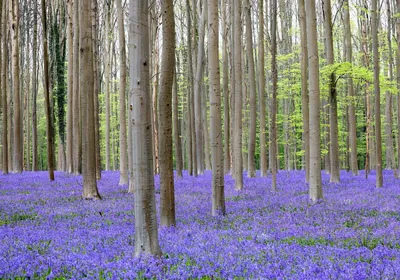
<point>199,139</point>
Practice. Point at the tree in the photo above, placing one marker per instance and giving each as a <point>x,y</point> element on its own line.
<point>49,131</point>
<point>274,70</point>
<point>237,142</point>
<point>86,81</point>
<point>18,139</point>
<point>261,88</point>
<point>76,130</point>
<point>304,87</point>
<point>146,231</point>
<point>123,163</point>
<point>218,196</point>
<point>334,139</point>
<point>3,88</point>
<point>253,97</point>
<point>167,193</point>
<point>107,81</point>
<point>197,91</point>
<point>70,39</point>
<point>378,136</point>
<point>350,90</point>
<point>315,188</point>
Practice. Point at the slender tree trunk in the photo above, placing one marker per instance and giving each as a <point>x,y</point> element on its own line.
<point>177,127</point>
<point>167,191</point>
<point>197,91</point>
<point>70,87</point>
<point>238,160</point>
<point>90,190</point>
<point>390,163</point>
<point>218,196</point>
<point>225,71</point>
<point>123,160</point>
<point>251,169</point>
<point>274,71</point>
<point>378,136</point>
<point>304,87</point>
<point>261,89</point>
<point>18,139</point>
<point>76,130</point>
<point>334,139</point>
<point>190,91</point>
<point>315,188</point>
<point>107,85</point>
<point>49,131</point>
<point>350,90</point>
<point>205,124</point>
<point>146,231</point>
<point>3,87</point>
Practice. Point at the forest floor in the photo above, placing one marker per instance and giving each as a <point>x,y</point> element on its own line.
<point>47,230</point>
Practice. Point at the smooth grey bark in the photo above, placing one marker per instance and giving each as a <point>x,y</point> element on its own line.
<point>315,187</point>
<point>205,124</point>
<point>225,76</point>
<point>378,136</point>
<point>390,164</point>
<point>218,196</point>
<point>49,130</point>
<point>304,87</point>
<point>146,230</point>
<point>251,169</point>
<point>350,92</point>
<point>177,127</point>
<point>34,92</point>
<point>237,142</point>
<point>189,120</point>
<point>70,39</point>
<point>197,90</point>
<point>3,87</point>
<point>123,160</point>
<point>90,190</point>
<point>17,137</point>
<point>274,72</point>
<point>107,82</point>
<point>333,125</point>
<point>167,72</point>
<point>76,130</point>
<point>398,81</point>
<point>261,89</point>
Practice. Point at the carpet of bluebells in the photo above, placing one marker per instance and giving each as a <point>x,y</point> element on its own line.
<point>48,231</point>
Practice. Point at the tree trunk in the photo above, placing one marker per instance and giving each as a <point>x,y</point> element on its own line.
<point>34,93</point>
<point>167,192</point>
<point>77,132</point>
<point>189,92</point>
<point>107,83</point>
<point>261,89</point>
<point>378,136</point>
<point>274,70</point>
<point>70,87</point>
<point>304,87</point>
<point>3,87</point>
<point>18,139</point>
<point>87,98</point>
<point>315,188</point>
<point>49,132</point>
<point>218,196</point>
<point>350,90</point>
<point>251,170</point>
<point>238,160</point>
<point>225,71</point>
<point>177,128</point>
<point>146,231</point>
<point>123,160</point>
<point>199,80</point>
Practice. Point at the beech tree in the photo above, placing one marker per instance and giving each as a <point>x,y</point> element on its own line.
<point>146,229</point>
<point>167,193</point>
<point>86,81</point>
<point>315,188</point>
